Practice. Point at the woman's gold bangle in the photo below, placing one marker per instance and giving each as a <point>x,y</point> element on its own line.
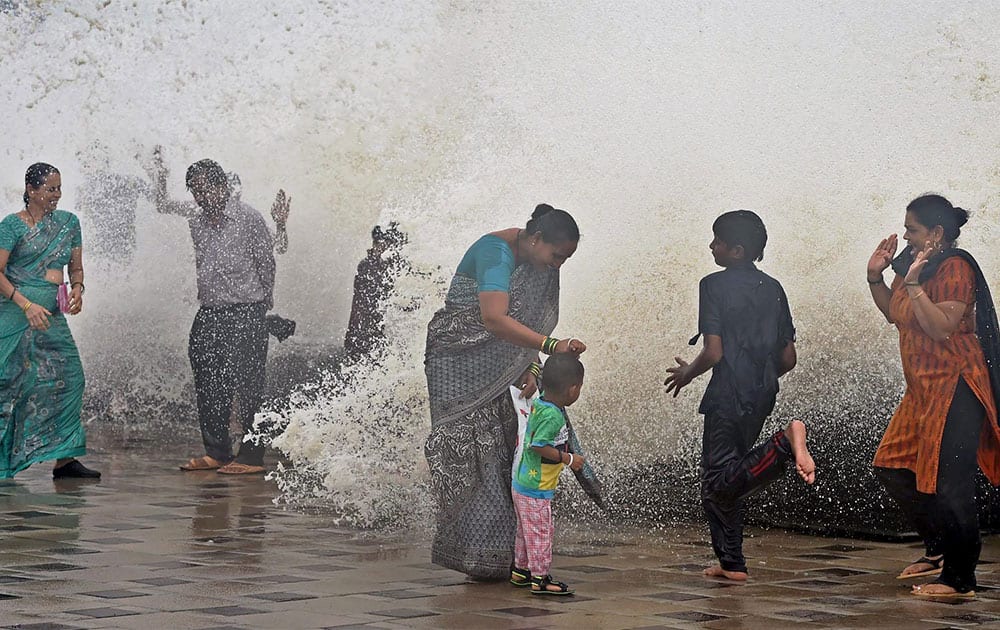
<point>27,304</point>
<point>913,297</point>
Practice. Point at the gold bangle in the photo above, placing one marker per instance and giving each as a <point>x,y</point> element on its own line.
<point>913,297</point>
<point>27,304</point>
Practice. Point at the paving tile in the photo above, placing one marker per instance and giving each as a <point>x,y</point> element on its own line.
<point>976,618</point>
<point>526,611</point>
<point>279,579</point>
<point>71,551</point>
<point>229,611</point>
<point>324,568</point>
<point>695,616</point>
<point>404,613</point>
<point>839,572</point>
<point>113,540</point>
<point>845,548</point>
<point>688,568</point>
<point>30,514</point>
<point>49,566</point>
<point>281,597</point>
<point>806,614</point>
<point>161,581</point>
<point>583,568</point>
<point>401,594</point>
<point>822,556</point>
<point>675,596</point>
<point>840,601</point>
<point>199,552</point>
<point>44,626</point>
<point>20,528</point>
<point>115,594</point>
<point>811,584</point>
<point>13,579</point>
<point>101,613</point>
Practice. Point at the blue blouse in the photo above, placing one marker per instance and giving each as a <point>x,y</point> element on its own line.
<point>490,262</point>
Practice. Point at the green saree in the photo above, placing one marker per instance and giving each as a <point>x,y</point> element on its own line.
<point>41,382</point>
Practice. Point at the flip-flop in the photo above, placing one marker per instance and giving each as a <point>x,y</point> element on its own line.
<point>937,564</point>
<point>201,463</point>
<point>954,595</point>
<point>236,468</point>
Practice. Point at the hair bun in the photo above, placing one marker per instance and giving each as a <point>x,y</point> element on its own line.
<point>961,216</point>
<point>541,209</point>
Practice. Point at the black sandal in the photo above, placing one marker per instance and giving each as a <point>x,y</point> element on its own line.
<point>540,586</point>
<point>520,577</point>
<point>936,570</point>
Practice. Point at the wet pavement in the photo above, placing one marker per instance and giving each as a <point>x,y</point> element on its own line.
<point>152,547</point>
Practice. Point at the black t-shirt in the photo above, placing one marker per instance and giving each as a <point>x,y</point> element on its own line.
<point>749,310</point>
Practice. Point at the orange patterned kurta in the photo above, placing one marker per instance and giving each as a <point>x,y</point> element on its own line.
<point>932,369</point>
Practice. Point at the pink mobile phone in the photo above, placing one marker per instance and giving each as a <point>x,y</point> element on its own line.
<point>62,297</point>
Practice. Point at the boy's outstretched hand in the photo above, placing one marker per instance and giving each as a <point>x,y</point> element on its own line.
<point>679,377</point>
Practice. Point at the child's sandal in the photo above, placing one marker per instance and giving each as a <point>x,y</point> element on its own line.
<point>520,577</point>
<point>540,586</point>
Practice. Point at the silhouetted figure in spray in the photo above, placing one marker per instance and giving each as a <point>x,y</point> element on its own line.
<point>372,285</point>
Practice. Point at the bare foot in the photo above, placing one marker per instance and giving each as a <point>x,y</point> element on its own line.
<point>717,571</point>
<point>204,462</point>
<point>919,569</point>
<point>804,464</point>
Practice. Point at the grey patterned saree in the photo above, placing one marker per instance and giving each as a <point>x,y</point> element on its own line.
<point>473,422</point>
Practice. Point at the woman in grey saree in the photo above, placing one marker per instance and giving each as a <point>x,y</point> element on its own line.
<point>502,305</point>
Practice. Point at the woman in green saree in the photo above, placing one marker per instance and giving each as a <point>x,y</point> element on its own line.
<point>502,305</point>
<point>41,382</point>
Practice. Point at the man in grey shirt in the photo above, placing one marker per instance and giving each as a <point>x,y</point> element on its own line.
<point>234,259</point>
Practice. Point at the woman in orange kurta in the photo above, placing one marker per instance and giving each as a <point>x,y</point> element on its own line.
<point>946,423</point>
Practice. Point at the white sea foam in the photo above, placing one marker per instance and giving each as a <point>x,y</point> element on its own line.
<point>643,119</point>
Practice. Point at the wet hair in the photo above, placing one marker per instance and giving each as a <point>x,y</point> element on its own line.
<point>561,371</point>
<point>934,210</point>
<point>209,170</point>
<point>742,227</point>
<point>555,225</point>
<point>35,177</point>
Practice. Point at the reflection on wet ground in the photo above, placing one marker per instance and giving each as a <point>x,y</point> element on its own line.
<point>149,546</point>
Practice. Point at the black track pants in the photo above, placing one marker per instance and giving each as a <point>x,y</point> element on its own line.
<point>730,472</point>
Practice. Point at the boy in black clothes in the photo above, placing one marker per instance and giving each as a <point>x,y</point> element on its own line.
<point>749,342</point>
